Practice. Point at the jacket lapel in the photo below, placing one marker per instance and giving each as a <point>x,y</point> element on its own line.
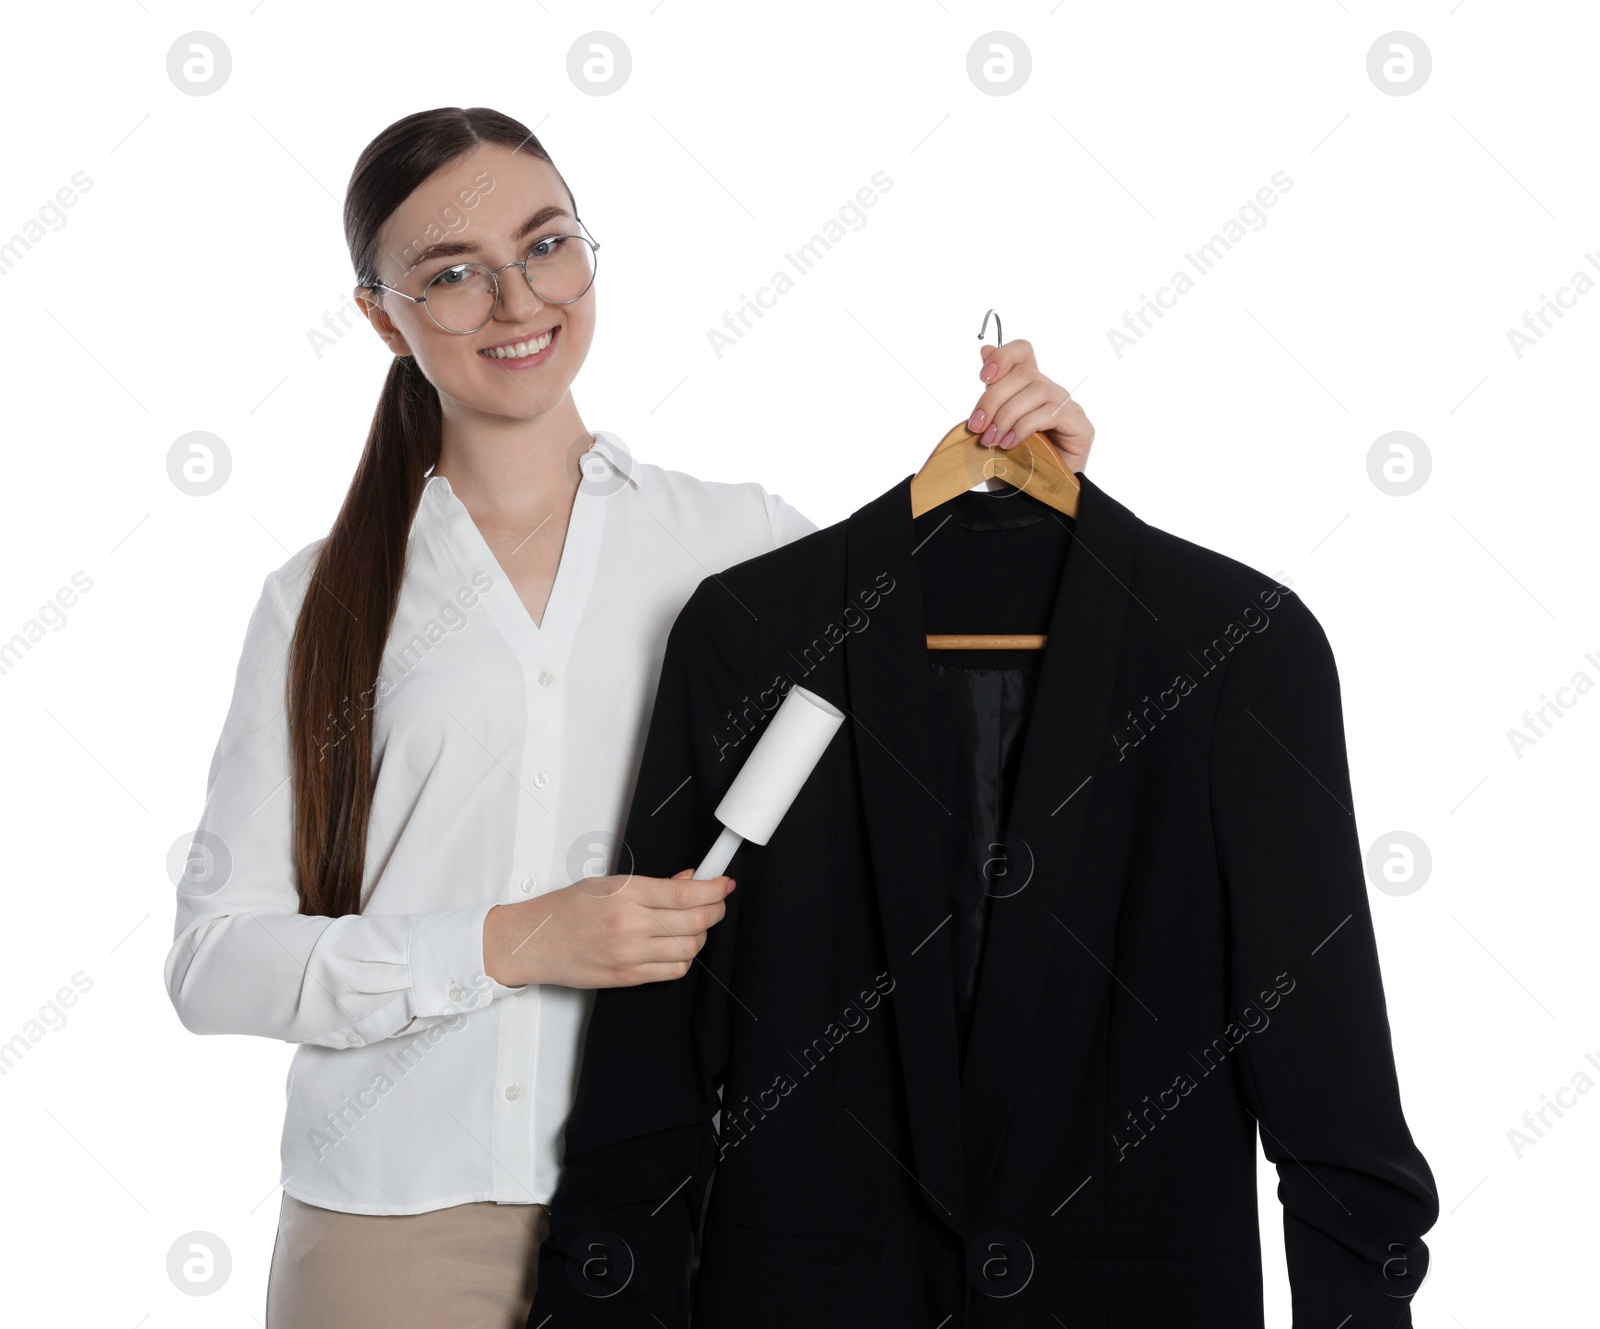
<point>1053,913</point>
<point>886,670</point>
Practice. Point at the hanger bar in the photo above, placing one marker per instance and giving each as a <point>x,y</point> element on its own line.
<point>978,641</point>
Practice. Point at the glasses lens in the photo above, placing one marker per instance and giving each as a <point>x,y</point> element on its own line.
<point>461,298</point>
<point>560,268</point>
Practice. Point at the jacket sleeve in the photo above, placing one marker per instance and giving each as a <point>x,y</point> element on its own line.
<point>243,959</point>
<point>640,1143</point>
<point>1357,1194</point>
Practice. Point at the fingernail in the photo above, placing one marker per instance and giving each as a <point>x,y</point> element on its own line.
<point>731,884</point>
<point>988,437</point>
<point>976,423</point>
<point>1009,439</point>
<point>989,371</point>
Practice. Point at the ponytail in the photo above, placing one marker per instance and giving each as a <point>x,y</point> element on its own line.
<point>337,651</point>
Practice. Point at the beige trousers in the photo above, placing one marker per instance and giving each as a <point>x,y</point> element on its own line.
<point>469,1266</point>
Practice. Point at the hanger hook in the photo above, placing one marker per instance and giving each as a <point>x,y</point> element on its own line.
<point>999,334</point>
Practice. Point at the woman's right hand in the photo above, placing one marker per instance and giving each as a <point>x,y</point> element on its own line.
<point>604,932</point>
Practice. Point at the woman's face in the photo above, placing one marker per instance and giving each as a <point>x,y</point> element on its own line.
<point>488,207</point>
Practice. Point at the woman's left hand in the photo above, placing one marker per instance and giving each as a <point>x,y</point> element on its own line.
<point>1020,401</point>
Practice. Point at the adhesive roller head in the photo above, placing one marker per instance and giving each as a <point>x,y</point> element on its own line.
<point>785,754</point>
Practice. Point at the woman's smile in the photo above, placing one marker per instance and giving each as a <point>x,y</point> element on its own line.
<point>523,354</point>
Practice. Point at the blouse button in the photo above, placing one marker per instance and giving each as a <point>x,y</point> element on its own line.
<point>352,1039</point>
<point>546,678</point>
<point>457,992</point>
<point>529,883</point>
<point>513,1092</point>
<point>541,779</point>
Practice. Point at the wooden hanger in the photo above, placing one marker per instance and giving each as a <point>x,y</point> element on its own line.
<point>959,463</point>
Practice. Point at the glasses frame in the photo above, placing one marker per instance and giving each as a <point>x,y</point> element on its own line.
<point>494,281</point>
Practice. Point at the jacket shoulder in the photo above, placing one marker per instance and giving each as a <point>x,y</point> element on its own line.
<point>1203,594</point>
<point>758,608</point>
<point>1181,570</point>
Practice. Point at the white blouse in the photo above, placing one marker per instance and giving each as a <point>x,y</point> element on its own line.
<point>505,756</point>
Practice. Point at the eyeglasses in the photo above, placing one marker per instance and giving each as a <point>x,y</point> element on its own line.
<point>462,299</point>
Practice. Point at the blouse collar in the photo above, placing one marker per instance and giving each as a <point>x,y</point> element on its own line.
<point>611,450</point>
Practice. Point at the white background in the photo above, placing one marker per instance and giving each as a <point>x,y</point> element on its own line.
<point>180,290</point>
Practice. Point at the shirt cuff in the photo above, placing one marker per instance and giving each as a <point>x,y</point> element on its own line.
<point>445,956</point>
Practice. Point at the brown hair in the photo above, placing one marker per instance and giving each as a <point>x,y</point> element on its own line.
<point>339,638</point>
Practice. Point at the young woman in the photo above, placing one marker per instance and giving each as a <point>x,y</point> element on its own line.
<point>434,730</point>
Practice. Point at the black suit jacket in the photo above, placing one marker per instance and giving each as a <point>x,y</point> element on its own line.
<point>1180,953</point>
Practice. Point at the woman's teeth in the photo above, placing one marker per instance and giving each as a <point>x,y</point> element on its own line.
<point>522,349</point>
